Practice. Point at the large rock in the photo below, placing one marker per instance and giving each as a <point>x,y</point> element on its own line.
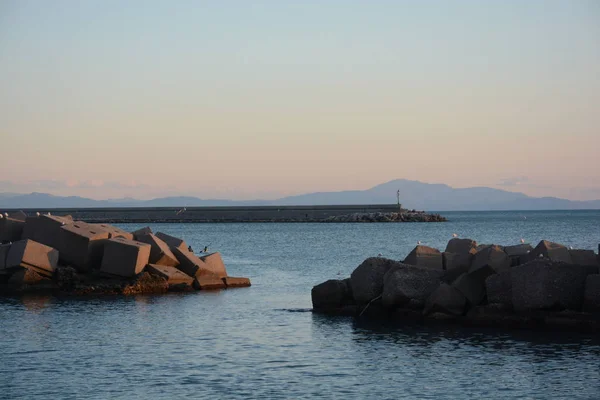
<point>82,245</point>
<point>367,279</point>
<point>124,257</point>
<point>173,241</point>
<point>457,260</point>
<point>424,256</point>
<point>553,251</point>
<point>45,229</point>
<point>208,282</point>
<point>461,246</point>
<point>30,254</point>
<point>173,276</point>
<point>214,264</point>
<point>591,295</point>
<point>404,283</point>
<point>191,264</point>
<point>447,300</point>
<point>499,288</point>
<point>332,294</point>
<point>471,287</point>
<point>487,261</point>
<point>236,282</point>
<point>518,254</point>
<point>11,229</point>
<point>113,231</point>
<point>142,231</point>
<point>18,216</point>
<point>584,257</point>
<point>160,254</point>
<point>543,284</point>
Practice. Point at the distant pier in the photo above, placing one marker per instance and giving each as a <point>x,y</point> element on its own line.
<point>216,214</point>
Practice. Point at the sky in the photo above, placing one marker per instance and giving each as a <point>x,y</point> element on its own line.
<point>263,99</point>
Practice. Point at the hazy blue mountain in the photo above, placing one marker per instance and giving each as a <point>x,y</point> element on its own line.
<point>413,194</point>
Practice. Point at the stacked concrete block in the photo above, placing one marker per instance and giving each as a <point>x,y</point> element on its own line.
<point>11,229</point>
<point>214,264</point>
<point>208,282</point>
<point>233,282</point>
<point>4,248</point>
<point>518,254</point>
<point>189,263</point>
<point>32,255</point>
<point>45,229</point>
<point>487,261</point>
<point>113,231</point>
<point>82,245</point>
<point>173,276</point>
<point>424,256</point>
<point>124,257</point>
<point>553,251</point>
<point>142,231</point>
<point>172,241</point>
<point>160,253</point>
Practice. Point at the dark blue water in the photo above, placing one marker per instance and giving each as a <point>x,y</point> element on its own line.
<point>261,342</point>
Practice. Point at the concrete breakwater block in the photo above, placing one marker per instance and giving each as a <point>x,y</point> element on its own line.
<point>11,229</point>
<point>208,282</point>
<point>214,264</point>
<point>404,283</point>
<point>160,253</point>
<point>30,254</point>
<point>45,229</point>
<point>461,246</point>
<point>124,257</point>
<point>171,274</point>
<point>426,257</point>
<point>82,245</point>
<point>26,276</point>
<point>489,260</point>
<point>113,231</point>
<point>237,282</point>
<point>142,231</point>
<point>193,265</point>
<point>553,251</point>
<point>172,241</point>
<point>4,248</point>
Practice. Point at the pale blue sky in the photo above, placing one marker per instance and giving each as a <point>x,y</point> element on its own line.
<point>247,99</point>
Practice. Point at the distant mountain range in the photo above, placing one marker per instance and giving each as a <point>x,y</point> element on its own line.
<point>413,194</point>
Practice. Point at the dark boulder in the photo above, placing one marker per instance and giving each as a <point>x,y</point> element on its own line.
<point>553,251</point>
<point>518,254</point>
<point>404,283</point>
<point>591,295</point>
<point>543,284</point>
<point>332,294</point>
<point>471,287</point>
<point>498,288</point>
<point>461,246</point>
<point>447,300</point>
<point>584,257</point>
<point>489,260</point>
<point>366,280</point>
<point>424,256</point>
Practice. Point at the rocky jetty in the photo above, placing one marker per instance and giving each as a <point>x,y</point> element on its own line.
<point>549,287</point>
<point>58,254</point>
<point>405,216</point>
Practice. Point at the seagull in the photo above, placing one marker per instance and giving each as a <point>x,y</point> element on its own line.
<point>522,240</point>
<point>418,242</point>
<point>37,213</point>
<point>454,235</point>
<point>6,214</point>
<point>49,213</point>
<point>1,216</point>
<point>379,255</point>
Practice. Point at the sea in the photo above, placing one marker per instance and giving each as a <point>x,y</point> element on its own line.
<point>264,342</point>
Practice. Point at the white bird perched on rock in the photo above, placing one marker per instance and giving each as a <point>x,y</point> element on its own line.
<point>418,242</point>
<point>379,255</point>
<point>49,213</point>
<point>37,213</point>
<point>454,235</point>
<point>6,214</point>
<point>1,216</point>
<point>522,240</point>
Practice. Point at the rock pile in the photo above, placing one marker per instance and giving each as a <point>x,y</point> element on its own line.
<point>58,253</point>
<point>546,286</point>
<point>405,216</point>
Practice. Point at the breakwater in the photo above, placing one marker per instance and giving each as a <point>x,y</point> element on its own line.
<point>330,213</point>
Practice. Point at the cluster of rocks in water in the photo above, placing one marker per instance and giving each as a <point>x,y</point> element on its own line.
<point>546,287</point>
<point>56,253</point>
<point>407,216</point>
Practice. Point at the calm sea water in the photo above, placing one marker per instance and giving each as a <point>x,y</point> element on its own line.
<point>263,342</point>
